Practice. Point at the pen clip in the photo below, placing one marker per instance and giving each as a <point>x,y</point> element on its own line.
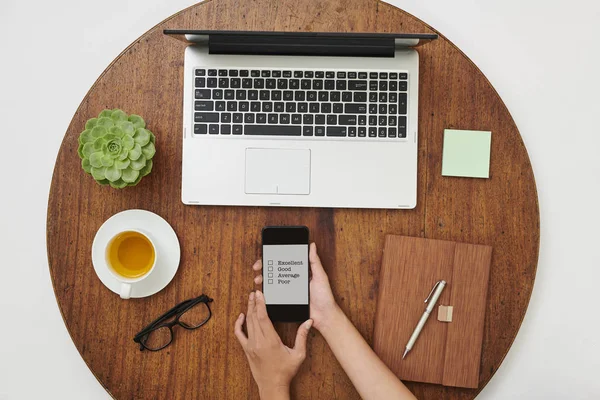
<point>432,290</point>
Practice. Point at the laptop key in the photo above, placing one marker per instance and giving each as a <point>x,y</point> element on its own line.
<point>261,118</point>
<point>311,95</point>
<point>249,118</point>
<point>288,95</point>
<point>211,82</point>
<point>355,108</point>
<point>337,131</point>
<point>402,98</point>
<point>362,75</point>
<point>200,72</point>
<point>326,108</point>
<point>392,132</point>
<point>231,106</point>
<point>329,74</point>
<point>393,108</point>
<point>319,119</point>
<point>233,72</point>
<point>307,131</point>
<point>265,95</point>
<point>372,108</point>
<point>223,83</point>
<point>308,74</point>
<point>340,85</point>
<point>252,94</point>
<point>213,129</point>
<point>284,119</point>
<point>392,120</point>
<point>329,84</point>
<point>206,117</point>
<point>372,120</point>
<point>290,107</point>
<point>319,131</point>
<point>276,74</point>
<point>204,106</point>
<point>314,107</point>
<point>272,118</point>
<point>202,93</point>
<point>254,73</point>
<point>362,120</point>
<point>222,72</point>
<point>267,106</point>
<point>305,84</point>
<point>217,94</point>
<point>212,72</point>
<point>393,75</point>
<point>332,119</point>
<point>219,106</point>
<point>302,107</point>
<point>319,74</point>
<point>247,83</point>
<point>362,131</point>
<point>341,75</point>
<point>296,119</point>
<point>383,97</point>
<point>373,85</point>
<point>402,126</point>
<point>393,98</point>
<point>373,75</point>
<point>299,95</point>
<point>244,106</point>
<point>317,84</point>
<point>351,75</point>
<point>225,129</point>
<point>348,120</point>
<point>200,129</point>
<point>393,86</point>
<point>238,118</point>
<point>273,130</point>
<point>276,95</point>
<point>236,83</point>
<point>279,106</point>
<point>282,84</point>
<point>382,132</point>
<point>237,129</point>
<point>240,95</point>
<point>229,94</point>
<point>338,108</point>
<point>357,85</point>
<point>335,96</point>
<point>265,74</point>
<point>382,120</point>
<point>271,84</point>
<point>255,106</point>
<point>200,82</point>
<point>225,118</point>
<point>244,72</point>
<point>323,96</point>
<point>287,74</point>
<point>352,131</point>
<point>346,97</point>
<point>403,86</point>
<point>360,97</point>
<point>298,74</point>
<point>372,132</point>
<point>403,75</point>
<point>259,83</point>
<point>308,119</point>
<point>383,109</point>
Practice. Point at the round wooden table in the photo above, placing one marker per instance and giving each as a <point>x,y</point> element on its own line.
<point>219,244</point>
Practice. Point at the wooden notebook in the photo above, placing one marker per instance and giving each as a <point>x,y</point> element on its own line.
<point>447,353</point>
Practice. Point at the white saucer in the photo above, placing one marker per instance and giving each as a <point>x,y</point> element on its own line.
<point>164,238</point>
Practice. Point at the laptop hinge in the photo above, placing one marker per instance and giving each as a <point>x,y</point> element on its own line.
<point>298,45</point>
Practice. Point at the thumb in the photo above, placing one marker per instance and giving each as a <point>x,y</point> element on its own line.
<point>315,262</point>
<point>301,337</point>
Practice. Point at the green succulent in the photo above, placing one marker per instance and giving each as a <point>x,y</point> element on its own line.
<point>116,149</point>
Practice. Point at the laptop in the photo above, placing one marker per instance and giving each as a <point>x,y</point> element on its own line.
<point>300,119</point>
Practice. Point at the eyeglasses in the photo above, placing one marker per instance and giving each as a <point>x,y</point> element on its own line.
<point>190,314</point>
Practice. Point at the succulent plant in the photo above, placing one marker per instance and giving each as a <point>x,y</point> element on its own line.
<point>116,149</point>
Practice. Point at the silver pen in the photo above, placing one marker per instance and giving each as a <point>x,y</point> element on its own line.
<point>433,297</point>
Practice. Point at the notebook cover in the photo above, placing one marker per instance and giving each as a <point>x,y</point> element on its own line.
<point>444,353</point>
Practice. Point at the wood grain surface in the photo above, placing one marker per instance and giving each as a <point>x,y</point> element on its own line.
<point>219,244</point>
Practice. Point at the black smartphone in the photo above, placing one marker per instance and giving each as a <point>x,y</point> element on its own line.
<point>285,273</point>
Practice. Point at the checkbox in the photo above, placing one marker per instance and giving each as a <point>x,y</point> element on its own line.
<point>270,262</point>
<point>270,268</point>
<point>270,281</point>
<point>270,275</point>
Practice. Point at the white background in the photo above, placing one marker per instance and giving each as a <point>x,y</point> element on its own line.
<point>541,55</point>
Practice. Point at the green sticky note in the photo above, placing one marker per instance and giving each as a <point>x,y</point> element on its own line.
<point>466,153</point>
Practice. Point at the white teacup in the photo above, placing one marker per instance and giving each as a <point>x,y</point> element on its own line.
<point>130,256</point>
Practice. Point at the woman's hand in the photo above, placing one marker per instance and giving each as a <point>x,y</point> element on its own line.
<point>322,304</point>
<point>272,363</point>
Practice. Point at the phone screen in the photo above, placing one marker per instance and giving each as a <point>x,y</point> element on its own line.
<point>286,273</point>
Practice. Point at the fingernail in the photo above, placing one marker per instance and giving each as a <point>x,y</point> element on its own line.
<point>241,316</point>
<point>252,296</point>
<point>258,294</point>
<point>308,324</point>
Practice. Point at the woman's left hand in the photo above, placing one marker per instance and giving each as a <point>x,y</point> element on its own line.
<point>272,363</point>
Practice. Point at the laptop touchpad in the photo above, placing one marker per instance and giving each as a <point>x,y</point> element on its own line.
<point>277,171</point>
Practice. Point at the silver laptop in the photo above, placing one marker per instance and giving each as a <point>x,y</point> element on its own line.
<point>300,119</point>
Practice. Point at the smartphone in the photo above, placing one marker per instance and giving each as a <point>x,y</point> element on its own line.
<point>285,273</point>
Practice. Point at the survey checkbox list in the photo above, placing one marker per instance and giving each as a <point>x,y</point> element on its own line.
<point>286,274</point>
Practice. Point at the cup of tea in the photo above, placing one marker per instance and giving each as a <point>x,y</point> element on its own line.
<point>131,258</point>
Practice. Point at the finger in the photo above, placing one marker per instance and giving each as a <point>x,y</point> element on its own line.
<point>266,326</point>
<point>301,337</point>
<point>249,320</point>
<point>239,333</point>
<point>258,279</point>
<point>257,265</point>
<point>315,262</point>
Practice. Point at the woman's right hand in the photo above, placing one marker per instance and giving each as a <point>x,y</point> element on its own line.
<point>322,303</point>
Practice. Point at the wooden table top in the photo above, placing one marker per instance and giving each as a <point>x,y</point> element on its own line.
<point>219,244</point>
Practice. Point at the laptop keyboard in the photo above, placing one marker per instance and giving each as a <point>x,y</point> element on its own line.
<point>301,103</point>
